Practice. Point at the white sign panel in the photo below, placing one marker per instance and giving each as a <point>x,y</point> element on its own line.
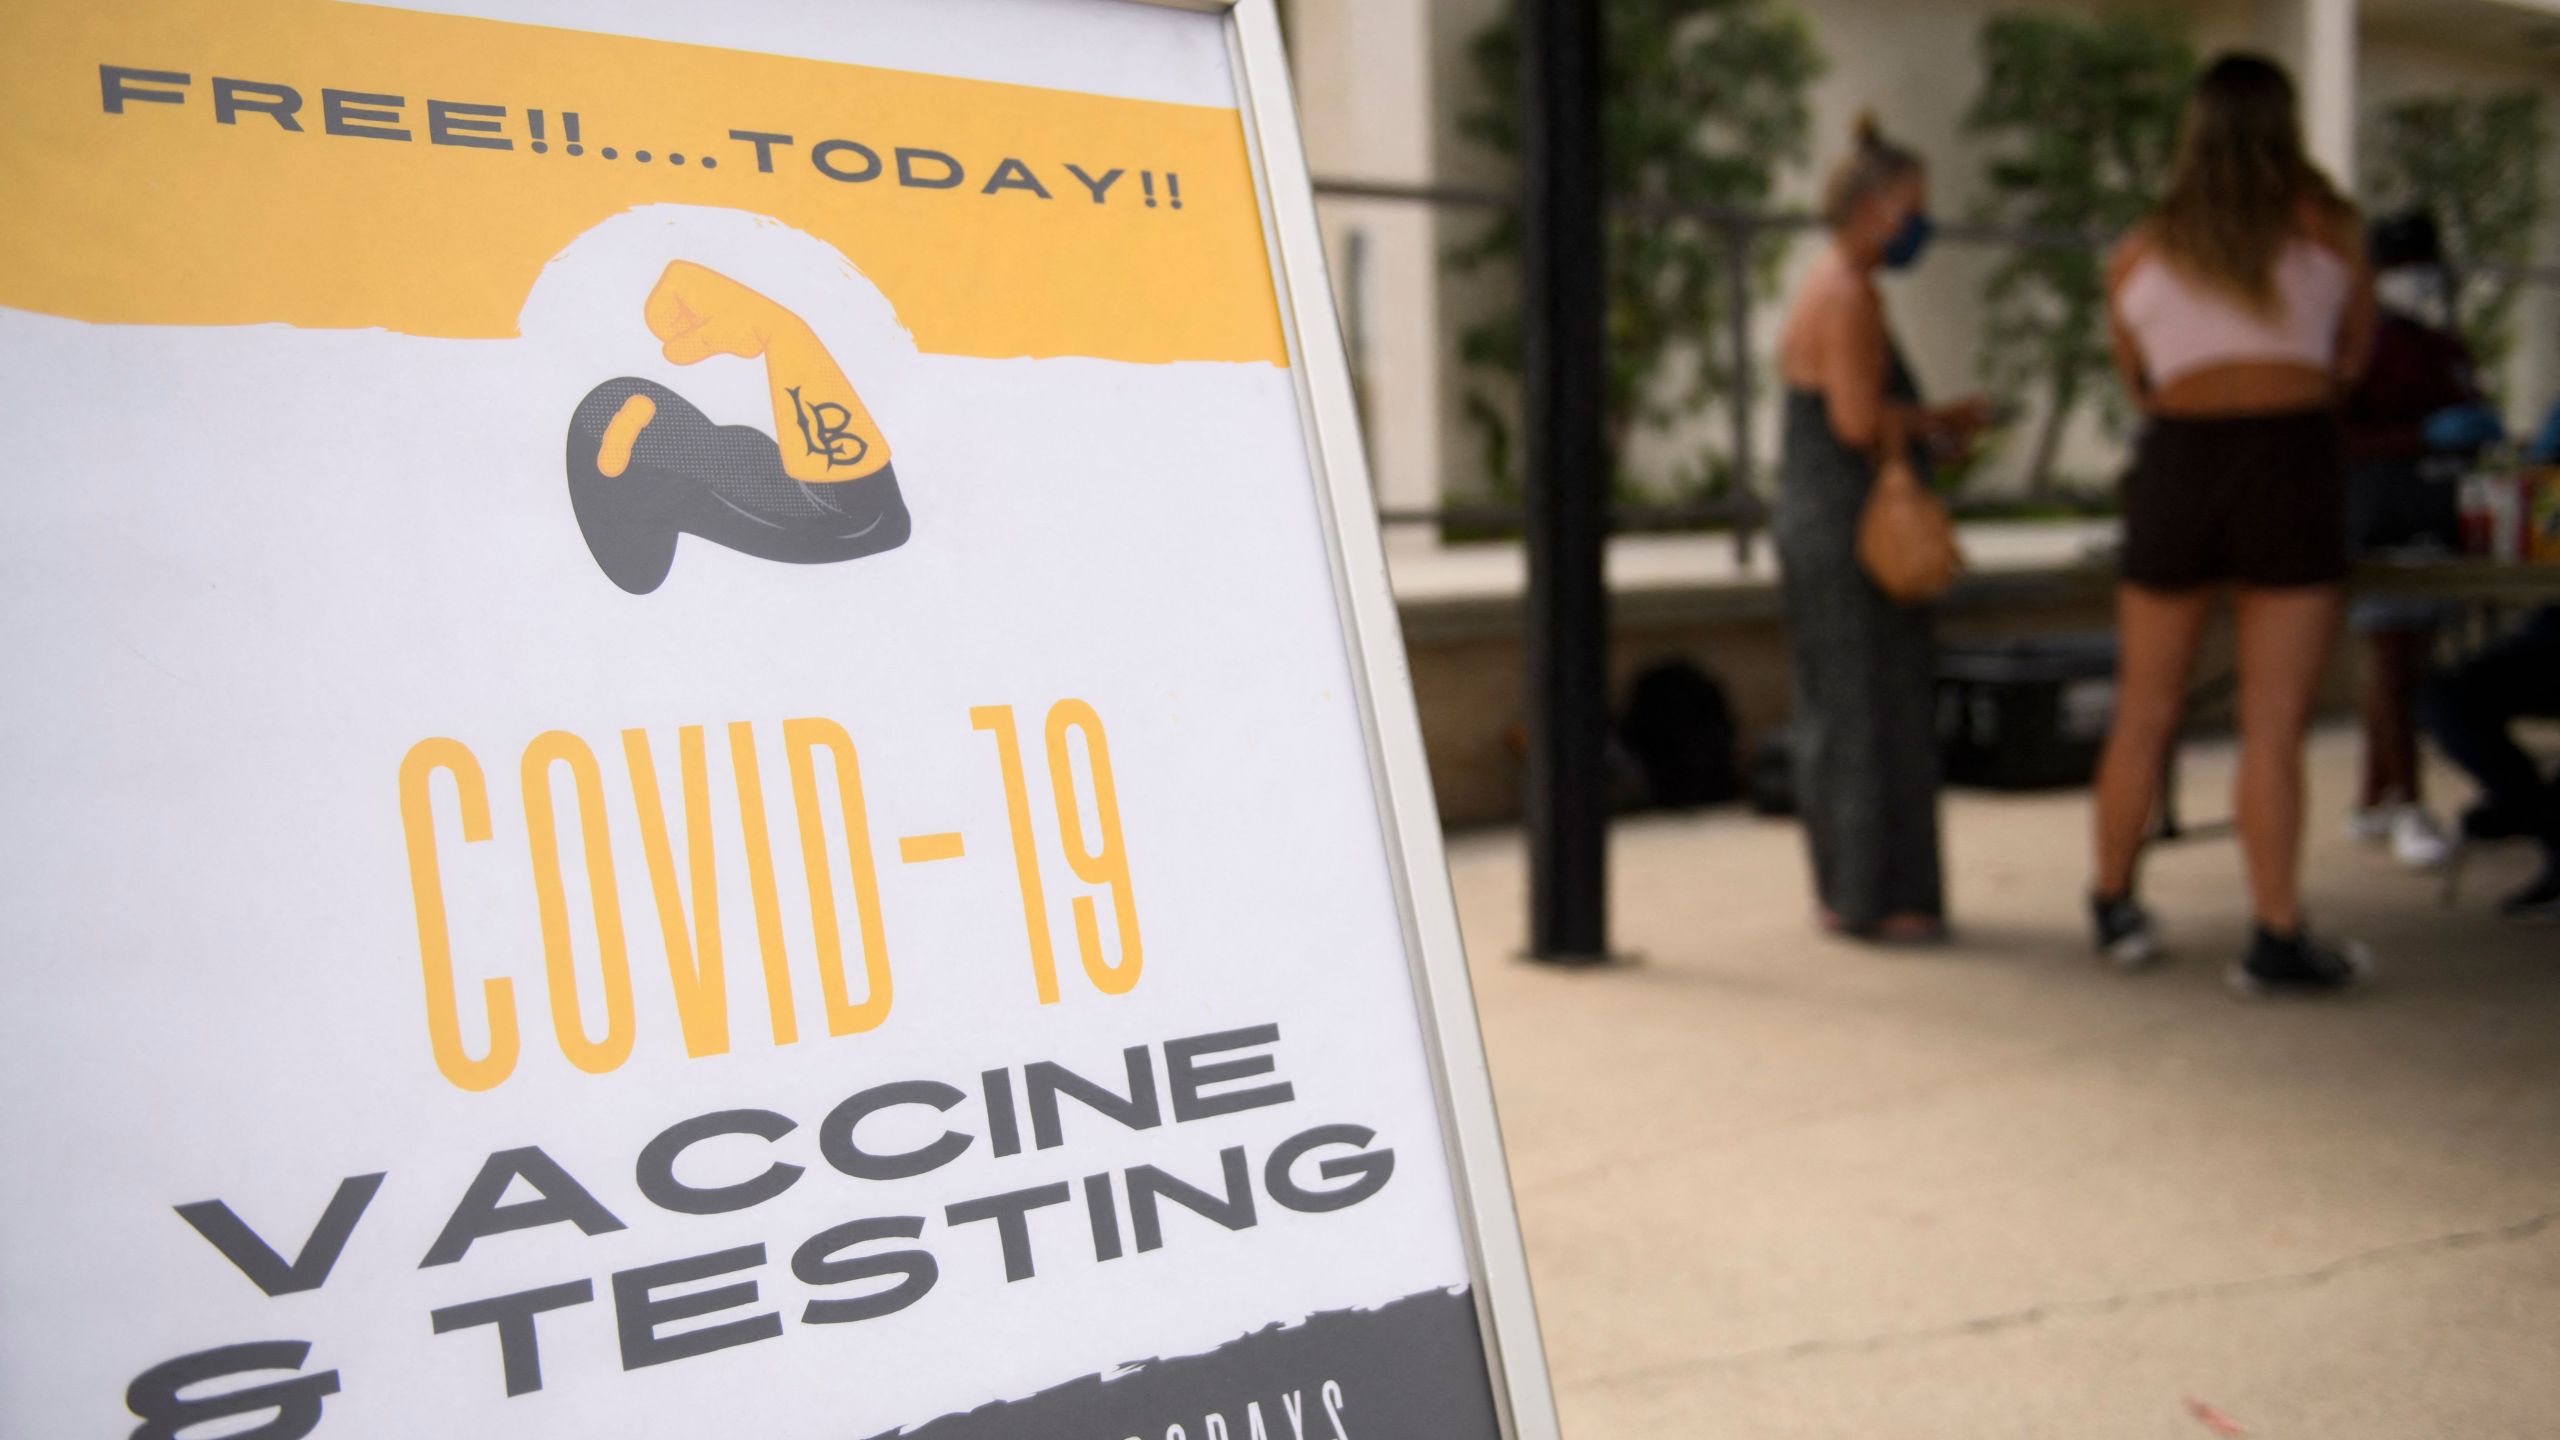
<point>692,748</point>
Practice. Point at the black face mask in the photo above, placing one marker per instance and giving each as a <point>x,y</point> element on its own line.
<point>1908,243</point>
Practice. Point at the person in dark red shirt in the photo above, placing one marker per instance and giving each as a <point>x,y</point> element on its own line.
<point>2411,424</point>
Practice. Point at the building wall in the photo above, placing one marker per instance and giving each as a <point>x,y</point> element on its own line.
<point>1466,299</point>
<point>1364,73</point>
<point>1467,682</point>
<point>1385,84</point>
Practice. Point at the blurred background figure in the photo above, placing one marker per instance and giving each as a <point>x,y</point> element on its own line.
<point>2240,311</point>
<point>2413,422</point>
<point>2471,711</point>
<point>1864,727</point>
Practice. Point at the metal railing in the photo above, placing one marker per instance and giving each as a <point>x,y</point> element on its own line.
<point>1742,507</point>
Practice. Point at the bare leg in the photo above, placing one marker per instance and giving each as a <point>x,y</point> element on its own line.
<point>2395,660</point>
<point>2156,634</point>
<point>2285,637</point>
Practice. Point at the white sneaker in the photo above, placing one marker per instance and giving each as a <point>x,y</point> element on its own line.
<point>2371,824</point>
<point>2418,840</point>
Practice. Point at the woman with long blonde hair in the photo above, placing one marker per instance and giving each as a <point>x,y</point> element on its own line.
<point>2240,311</point>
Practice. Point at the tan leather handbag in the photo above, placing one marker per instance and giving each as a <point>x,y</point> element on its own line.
<point>1906,540</point>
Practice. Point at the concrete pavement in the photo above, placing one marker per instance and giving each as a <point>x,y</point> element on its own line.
<point>1776,1185</point>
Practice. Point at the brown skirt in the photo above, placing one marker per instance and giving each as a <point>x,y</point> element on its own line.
<point>2249,499</point>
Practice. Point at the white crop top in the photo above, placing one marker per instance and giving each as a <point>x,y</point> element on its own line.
<point>2182,326</point>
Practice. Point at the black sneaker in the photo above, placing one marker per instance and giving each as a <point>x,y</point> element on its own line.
<point>2124,933</point>
<point>2297,964</point>
<point>2537,903</point>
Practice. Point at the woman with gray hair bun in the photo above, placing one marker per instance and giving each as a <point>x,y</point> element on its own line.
<point>1864,729</point>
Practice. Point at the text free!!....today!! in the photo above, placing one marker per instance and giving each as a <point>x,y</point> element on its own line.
<point>479,125</point>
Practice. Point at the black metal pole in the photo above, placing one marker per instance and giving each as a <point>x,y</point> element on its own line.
<point>1564,195</point>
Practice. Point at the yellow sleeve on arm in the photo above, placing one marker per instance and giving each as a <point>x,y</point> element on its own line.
<point>824,431</point>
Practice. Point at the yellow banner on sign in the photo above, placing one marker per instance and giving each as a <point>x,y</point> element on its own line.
<point>346,166</point>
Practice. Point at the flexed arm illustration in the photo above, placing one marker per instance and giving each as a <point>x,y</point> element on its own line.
<point>699,313</point>
<point>646,466</point>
